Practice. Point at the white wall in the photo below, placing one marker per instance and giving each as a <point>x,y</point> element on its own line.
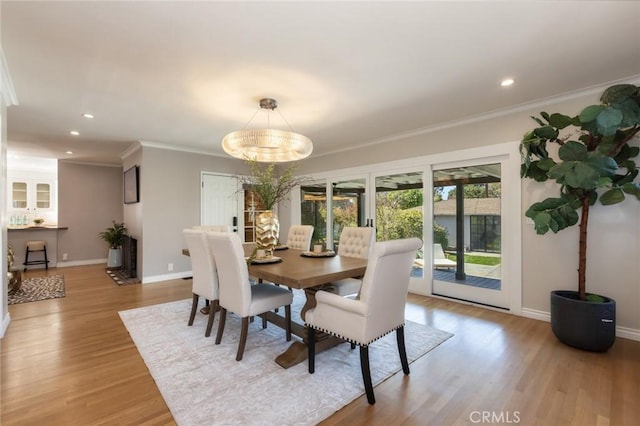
<point>170,201</point>
<point>7,98</point>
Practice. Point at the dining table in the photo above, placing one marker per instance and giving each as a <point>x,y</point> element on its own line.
<point>308,271</point>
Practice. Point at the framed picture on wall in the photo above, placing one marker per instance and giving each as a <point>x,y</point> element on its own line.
<point>131,185</point>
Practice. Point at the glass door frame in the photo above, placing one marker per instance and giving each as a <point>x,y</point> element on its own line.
<point>506,153</point>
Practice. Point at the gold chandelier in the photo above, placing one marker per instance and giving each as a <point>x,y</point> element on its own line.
<point>267,145</point>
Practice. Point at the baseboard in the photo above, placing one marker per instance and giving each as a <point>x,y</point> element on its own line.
<point>80,263</point>
<point>536,315</point>
<point>166,277</point>
<point>5,324</point>
<point>624,332</point>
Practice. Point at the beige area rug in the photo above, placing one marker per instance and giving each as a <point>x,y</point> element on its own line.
<point>38,288</point>
<point>203,384</point>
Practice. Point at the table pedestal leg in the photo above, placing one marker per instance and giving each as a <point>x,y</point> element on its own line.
<point>297,352</point>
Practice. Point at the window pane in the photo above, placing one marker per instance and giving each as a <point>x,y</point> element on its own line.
<point>314,210</point>
<point>467,221</point>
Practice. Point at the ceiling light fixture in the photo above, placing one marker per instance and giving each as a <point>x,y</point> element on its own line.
<point>507,82</point>
<point>74,133</point>
<point>87,115</point>
<point>267,145</point>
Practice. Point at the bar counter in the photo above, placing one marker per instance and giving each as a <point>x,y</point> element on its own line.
<point>19,235</point>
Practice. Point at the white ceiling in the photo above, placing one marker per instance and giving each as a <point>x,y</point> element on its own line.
<point>345,74</point>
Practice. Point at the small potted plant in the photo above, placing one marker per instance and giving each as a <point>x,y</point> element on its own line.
<point>114,236</point>
<point>595,161</point>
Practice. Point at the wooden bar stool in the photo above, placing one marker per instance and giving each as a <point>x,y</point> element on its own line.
<point>36,246</point>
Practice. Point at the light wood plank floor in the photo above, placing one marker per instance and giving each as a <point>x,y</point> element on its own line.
<point>70,361</point>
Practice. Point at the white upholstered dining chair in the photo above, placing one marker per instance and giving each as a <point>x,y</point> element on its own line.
<point>354,242</point>
<point>205,276</point>
<point>236,292</point>
<point>378,311</point>
<point>299,237</point>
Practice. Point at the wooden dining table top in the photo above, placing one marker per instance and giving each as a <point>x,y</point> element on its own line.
<point>302,272</point>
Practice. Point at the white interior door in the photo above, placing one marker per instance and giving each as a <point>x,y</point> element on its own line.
<point>219,201</point>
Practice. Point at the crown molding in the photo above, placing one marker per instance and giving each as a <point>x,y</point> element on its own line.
<point>542,102</point>
<point>131,149</point>
<point>171,147</point>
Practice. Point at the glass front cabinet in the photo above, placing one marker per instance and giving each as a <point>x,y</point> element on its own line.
<point>31,195</point>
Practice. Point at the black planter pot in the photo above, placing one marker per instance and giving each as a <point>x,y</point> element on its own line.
<point>584,325</point>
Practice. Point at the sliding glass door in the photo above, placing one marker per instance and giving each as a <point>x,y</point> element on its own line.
<point>399,211</point>
<point>467,213</point>
<point>467,217</point>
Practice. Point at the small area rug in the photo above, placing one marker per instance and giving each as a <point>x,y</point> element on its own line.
<point>38,288</point>
<point>203,384</point>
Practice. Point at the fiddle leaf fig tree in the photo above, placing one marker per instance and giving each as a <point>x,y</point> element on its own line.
<point>594,162</point>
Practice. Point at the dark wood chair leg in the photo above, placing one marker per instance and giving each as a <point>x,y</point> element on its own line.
<point>46,260</point>
<point>243,338</point>
<point>353,346</point>
<point>264,320</point>
<point>311,349</point>
<point>223,319</point>
<point>366,374</point>
<point>194,308</point>
<point>213,308</point>
<point>402,350</point>
<point>287,319</point>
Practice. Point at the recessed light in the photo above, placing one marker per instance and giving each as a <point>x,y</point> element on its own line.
<point>87,115</point>
<point>68,152</point>
<point>74,133</point>
<point>507,82</point>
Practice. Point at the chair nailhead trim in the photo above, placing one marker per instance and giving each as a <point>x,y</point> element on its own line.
<point>346,339</point>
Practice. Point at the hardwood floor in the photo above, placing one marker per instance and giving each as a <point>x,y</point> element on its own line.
<point>70,361</point>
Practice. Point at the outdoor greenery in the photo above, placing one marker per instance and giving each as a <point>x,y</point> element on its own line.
<point>479,190</point>
<point>478,260</point>
<point>440,235</point>
<point>594,161</point>
<point>398,214</point>
<point>114,235</point>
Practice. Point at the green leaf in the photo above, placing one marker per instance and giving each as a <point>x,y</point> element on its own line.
<point>559,219</point>
<point>546,132</point>
<point>533,171</point>
<point>572,151</point>
<point>613,196</point>
<point>537,120</point>
<point>571,215</point>
<point>590,113</point>
<point>609,120</point>
<point>603,181</point>
<point>630,111</point>
<point>541,221</point>
<point>603,164</point>
<point>551,203</point>
<point>618,92</point>
<point>544,115</point>
<point>632,189</point>
<point>546,164</point>
<point>559,121</point>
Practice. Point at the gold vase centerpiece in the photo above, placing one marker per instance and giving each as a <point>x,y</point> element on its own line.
<point>267,230</point>
<point>271,188</point>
